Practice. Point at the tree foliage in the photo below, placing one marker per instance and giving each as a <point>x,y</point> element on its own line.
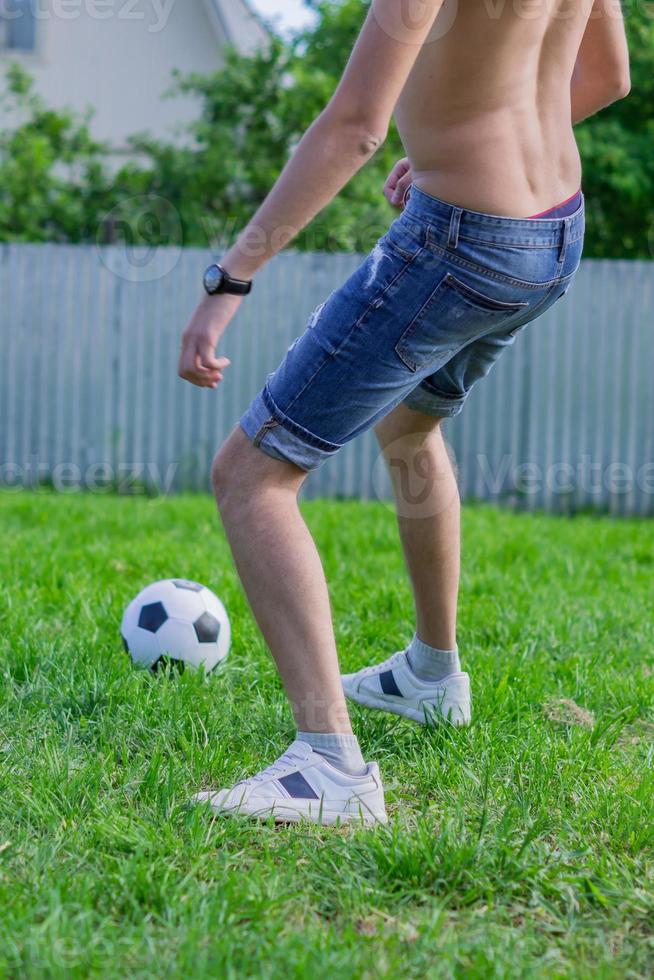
<point>617,149</point>
<point>54,184</point>
<point>52,179</point>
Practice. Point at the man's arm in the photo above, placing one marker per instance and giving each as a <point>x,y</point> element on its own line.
<point>343,138</point>
<point>601,74</point>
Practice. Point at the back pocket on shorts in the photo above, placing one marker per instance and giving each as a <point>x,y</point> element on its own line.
<point>454,315</point>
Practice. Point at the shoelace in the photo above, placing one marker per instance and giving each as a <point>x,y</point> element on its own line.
<point>289,760</point>
<point>375,669</point>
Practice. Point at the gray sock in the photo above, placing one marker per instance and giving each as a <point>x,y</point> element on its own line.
<point>341,750</point>
<point>430,664</point>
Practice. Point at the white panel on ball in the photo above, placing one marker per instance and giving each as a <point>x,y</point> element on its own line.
<point>176,620</point>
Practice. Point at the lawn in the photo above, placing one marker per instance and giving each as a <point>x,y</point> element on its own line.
<point>521,847</point>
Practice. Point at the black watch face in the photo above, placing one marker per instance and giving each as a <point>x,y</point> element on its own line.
<point>213,279</point>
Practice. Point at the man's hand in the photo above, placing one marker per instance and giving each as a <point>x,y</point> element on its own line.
<point>398,183</point>
<point>198,362</point>
<point>346,134</point>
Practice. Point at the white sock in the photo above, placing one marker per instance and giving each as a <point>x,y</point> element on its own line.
<point>429,663</point>
<point>341,751</point>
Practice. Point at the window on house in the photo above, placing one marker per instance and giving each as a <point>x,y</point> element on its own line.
<point>17,25</point>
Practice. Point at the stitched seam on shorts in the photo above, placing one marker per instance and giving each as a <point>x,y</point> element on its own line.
<point>475,298</point>
<point>398,251</point>
<point>544,300</point>
<point>442,394</point>
<point>513,309</point>
<point>295,429</point>
<point>325,358</point>
<point>407,256</point>
<point>481,337</point>
<point>438,232</point>
<point>377,302</point>
<point>443,408</point>
<point>466,264</point>
<point>373,306</point>
<point>469,343</point>
<point>517,244</point>
<point>263,431</point>
<point>327,355</point>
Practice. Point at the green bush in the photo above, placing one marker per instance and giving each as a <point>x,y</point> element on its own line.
<point>54,184</point>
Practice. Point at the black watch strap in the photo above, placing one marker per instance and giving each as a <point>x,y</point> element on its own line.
<point>240,287</point>
<point>217,281</point>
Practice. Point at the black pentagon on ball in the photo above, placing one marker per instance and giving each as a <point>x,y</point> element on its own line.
<point>184,583</point>
<point>152,617</point>
<point>167,664</point>
<point>207,628</point>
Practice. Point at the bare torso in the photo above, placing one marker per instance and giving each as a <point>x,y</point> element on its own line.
<point>485,116</point>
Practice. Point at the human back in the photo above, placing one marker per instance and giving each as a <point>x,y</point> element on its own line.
<point>485,115</point>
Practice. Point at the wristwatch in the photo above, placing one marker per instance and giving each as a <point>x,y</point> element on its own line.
<point>216,280</point>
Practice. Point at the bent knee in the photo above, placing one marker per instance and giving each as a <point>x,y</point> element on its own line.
<point>241,472</point>
<point>220,476</point>
<point>228,467</point>
<point>405,425</point>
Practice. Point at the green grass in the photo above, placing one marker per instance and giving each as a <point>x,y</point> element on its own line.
<point>521,847</point>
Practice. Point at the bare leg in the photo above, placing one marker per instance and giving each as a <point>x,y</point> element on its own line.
<point>428,510</point>
<point>283,578</point>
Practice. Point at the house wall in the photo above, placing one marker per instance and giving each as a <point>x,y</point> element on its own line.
<point>121,65</point>
<point>241,23</point>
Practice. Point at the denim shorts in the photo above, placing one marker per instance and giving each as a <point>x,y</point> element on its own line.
<point>423,318</point>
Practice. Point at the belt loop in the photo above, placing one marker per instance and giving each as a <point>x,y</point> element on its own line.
<point>565,238</point>
<point>455,223</point>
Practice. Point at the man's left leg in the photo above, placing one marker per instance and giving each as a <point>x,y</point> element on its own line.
<point>423,682</point>
<point>323,775</point>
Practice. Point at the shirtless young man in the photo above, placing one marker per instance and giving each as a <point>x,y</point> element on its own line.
<point>485,95</point>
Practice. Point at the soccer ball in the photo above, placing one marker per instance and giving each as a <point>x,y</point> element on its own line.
<point>178,622</point>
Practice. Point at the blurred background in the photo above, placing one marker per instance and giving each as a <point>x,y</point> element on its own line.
<point>135,141</point>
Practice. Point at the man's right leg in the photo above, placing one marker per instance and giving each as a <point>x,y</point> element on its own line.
<point>425,680</point>
<point>322,776</point>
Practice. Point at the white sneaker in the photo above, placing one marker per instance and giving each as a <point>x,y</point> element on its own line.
<point>303,785</point>
<point>392,686</point>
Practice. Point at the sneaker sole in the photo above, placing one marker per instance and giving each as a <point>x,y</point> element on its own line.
<point>457,714</point>
<point>323,816</point>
